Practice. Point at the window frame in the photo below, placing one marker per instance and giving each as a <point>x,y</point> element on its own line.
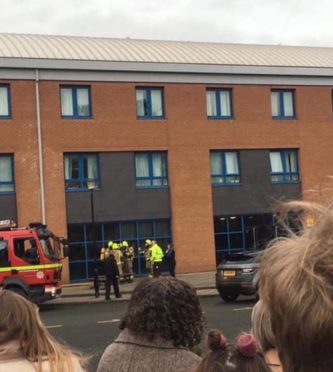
<point>219,115</point>
<point>81,179</point>
<point>284,173</point>
<point>74,89</point>
<point>151,176</point>
<point>12,181</point>
<point>225,175</point>
<point>4,117</point>
<point>148,91</point>
<point>281,114</point>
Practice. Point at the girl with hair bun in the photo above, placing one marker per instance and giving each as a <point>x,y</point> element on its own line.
<point>243,356</point>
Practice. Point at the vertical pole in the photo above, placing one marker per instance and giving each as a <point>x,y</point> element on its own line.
<point>92,209</point>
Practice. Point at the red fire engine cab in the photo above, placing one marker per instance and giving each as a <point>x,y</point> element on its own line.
<point>31,260</point>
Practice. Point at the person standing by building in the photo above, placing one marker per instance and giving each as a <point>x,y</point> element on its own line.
<point>111,275</point>
<point>156,258</point>
<point>170,257</point>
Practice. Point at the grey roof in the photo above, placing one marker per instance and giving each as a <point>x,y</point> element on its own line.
<point>73,48</point>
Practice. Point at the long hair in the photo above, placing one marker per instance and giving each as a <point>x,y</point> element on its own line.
<point>262,328</point>
<point>296,287</point>
<point>20,320</point>
<point>165,307</point>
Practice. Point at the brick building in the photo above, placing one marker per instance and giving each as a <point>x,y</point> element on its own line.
<point>175,141</point>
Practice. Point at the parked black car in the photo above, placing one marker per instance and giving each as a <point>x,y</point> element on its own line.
<point>238,274</point>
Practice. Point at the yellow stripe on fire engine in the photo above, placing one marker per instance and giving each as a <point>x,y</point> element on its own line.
<point>31,267</point>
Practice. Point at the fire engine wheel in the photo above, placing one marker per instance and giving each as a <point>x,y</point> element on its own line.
<point>18,290</point>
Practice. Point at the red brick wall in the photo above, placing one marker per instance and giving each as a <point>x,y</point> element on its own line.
<point>186,134</point>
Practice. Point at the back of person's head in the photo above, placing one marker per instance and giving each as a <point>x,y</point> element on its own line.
<point>165,307</point>
<point>19,320</point>
<point>243,356</point>
<point>296,286</point>
<point>262,328</point>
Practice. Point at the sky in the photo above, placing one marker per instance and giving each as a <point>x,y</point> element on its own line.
<point>284,22</point>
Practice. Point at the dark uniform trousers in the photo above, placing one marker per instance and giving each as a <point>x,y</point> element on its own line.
<point>111,272</point>
<point>114,281</point>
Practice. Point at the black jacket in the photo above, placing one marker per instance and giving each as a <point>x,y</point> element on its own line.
<point>110,266</point>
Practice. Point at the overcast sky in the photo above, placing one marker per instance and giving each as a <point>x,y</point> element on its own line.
<point>286,22</point>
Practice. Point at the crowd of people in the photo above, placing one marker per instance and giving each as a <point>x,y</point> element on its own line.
<point>292,323</point>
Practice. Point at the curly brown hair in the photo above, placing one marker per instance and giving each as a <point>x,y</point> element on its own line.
<point>167,308</point>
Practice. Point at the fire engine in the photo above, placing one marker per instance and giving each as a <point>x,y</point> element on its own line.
<point>31,260</point>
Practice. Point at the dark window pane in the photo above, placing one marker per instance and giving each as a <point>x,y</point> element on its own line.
<point>77,252</point>
<point>111,231</point>
<point>96,230</point>
<point>76,233</point>
<point>94,250</point>
<point>236,241</point>
<point>128,230</point>
<point>221,242</point>
<point>162,228</point>
<point>235,223</point>
<point>145,229</point>
<point>77,270</point>
<point>220,224</point>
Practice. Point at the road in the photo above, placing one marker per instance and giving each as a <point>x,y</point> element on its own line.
<point>91,327</point>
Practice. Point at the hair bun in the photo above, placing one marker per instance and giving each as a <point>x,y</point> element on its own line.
<point>246,344</point>
<point>216,340</point>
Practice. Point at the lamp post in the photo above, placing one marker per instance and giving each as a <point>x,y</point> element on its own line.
<point>93,239</point>
<point>92,211</point>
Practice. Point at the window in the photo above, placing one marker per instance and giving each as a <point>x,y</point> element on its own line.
<point>3,253</point>
<point>149,103</point>
<point>283,104</point>
<point>81,171</point>
<point>26,249</point>
<point>6,173</point>
<point>151,169</point>
<point>219,103</point>
<point>284,166</point>
<point>4,101</point>
<point>83,249</point>
<point>224,167</point>
<point>75,102</point>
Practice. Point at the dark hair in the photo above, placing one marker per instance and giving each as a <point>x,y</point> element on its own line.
<point>167,308</point>
<point>243,356</point>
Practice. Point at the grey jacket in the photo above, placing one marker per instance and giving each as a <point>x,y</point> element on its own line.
<point>129,353</point>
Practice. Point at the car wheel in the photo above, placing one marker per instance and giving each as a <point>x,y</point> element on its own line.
<point>229,297</point>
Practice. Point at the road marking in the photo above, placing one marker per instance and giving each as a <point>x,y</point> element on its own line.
<point>54,326</point>
<point>108,321</point>
<point>242,308</point>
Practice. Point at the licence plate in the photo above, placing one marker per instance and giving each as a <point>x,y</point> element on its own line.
<point>229,273</point>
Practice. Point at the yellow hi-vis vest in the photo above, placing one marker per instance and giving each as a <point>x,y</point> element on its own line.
<point>156,253</point>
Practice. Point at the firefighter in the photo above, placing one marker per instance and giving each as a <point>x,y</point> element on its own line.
<point>111,275</point>
<point>156,258</point>
<point>127,259</point>
<point>147,255</point>
<point>116,251</point>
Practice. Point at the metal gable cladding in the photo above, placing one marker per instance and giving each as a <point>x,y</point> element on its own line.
<point>74,48</point>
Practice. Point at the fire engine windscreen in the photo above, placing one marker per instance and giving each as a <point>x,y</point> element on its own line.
<point>53,252</point>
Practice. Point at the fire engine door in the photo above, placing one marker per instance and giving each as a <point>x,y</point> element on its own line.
<point>26,257</point>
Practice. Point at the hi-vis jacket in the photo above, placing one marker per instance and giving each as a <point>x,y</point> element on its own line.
<point>156,254</point>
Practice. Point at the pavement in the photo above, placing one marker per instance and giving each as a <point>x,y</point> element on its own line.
<point>79,293</point>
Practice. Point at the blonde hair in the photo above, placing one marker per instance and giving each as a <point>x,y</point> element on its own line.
<point>262,328</point>
<point>296,286</point>
<point>20,320</point>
